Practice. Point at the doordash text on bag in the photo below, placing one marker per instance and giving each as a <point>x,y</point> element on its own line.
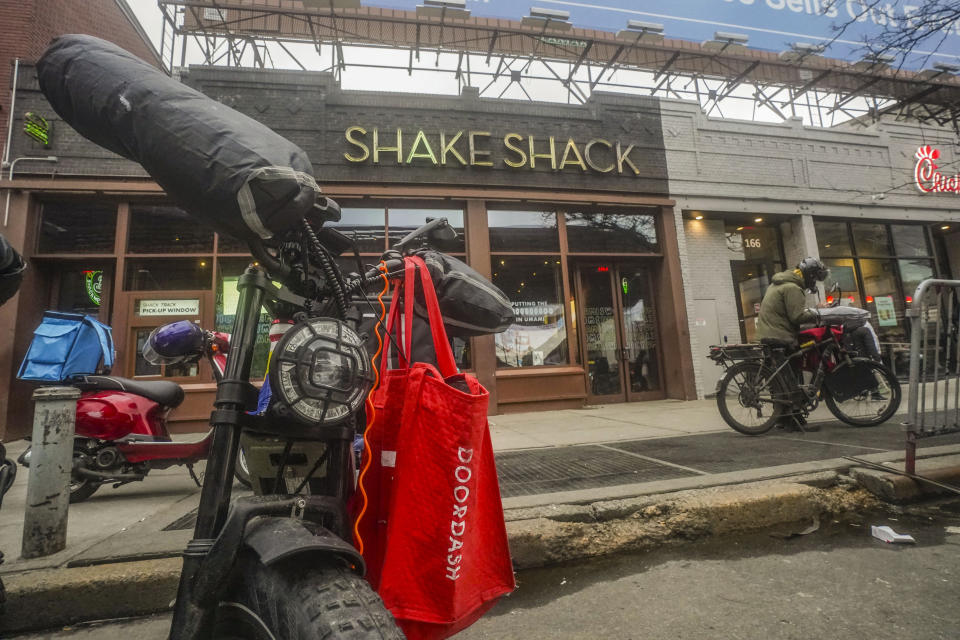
<point>458,525</point>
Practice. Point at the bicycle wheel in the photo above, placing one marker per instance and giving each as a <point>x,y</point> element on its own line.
<point>305,601</point>
<point>871,407</point>
<point>743,406</point>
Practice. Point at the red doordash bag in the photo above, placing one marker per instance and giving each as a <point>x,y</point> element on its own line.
<point>433,534</point>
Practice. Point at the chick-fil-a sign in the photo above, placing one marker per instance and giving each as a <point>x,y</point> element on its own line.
<point>927,177</point>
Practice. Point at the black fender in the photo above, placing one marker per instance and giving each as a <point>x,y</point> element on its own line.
<point>274,539</point>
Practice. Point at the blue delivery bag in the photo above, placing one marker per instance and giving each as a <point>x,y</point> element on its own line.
<point>66,346</point>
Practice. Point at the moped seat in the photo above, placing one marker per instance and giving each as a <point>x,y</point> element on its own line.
<point>169,394</point>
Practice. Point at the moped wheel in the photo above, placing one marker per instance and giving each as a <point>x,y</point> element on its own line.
<point>81,488</point>
<point>241,470</point>
<point>742,404</point>
<point>872,407</point>
<point>290,601</point>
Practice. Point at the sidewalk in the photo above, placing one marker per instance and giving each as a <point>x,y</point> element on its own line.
<point>574,464</point>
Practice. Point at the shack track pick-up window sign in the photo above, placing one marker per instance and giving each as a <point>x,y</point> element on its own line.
<point>169,307</point>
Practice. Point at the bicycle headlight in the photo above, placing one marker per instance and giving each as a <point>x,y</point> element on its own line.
<point>319,371</point>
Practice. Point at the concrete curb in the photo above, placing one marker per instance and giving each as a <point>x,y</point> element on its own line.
<point>538,536</point>
<point>898,489</point>
<point>52,598</point>
<point>546,535</point>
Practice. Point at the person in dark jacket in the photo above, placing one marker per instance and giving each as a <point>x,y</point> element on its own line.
<point>782,312</point>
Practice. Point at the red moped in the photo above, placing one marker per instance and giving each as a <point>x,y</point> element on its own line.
<point>121,425</point>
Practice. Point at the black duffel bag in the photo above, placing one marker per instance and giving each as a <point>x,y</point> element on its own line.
<point>224,168</point>
<point>471,305</point>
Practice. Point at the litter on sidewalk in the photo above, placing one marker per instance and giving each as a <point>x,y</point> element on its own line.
<point>887,534</point>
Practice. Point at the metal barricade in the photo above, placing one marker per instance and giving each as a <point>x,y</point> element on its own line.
<point>933,394</point>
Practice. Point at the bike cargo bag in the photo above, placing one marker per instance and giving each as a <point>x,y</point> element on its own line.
<point>66,346</point>
<point>850,380</point>
<point>470,304</point>
<point>230,171</point>
<point>848,317</point>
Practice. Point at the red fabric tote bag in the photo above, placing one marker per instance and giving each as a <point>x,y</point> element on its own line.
<point>439,540</point>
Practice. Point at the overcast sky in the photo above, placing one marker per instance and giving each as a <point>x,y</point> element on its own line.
<point>428,81</point>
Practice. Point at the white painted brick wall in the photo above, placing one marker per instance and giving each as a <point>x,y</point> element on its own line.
<point>687,275</point>
<point>710,277</point>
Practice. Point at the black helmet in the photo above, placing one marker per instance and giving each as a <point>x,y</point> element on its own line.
<point>813,271</point>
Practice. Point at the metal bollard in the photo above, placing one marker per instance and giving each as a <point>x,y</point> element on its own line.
<point>51,461</point>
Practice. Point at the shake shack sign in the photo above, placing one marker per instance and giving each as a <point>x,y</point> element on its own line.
<point>400,147</point>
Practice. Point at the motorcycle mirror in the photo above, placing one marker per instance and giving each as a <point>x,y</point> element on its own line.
<point>437,229</point>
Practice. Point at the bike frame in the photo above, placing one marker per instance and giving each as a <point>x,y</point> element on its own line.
<point>220,531</point>
<point>825,348</point>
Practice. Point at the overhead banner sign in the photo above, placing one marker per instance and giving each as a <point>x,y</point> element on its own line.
<point>772,25</point>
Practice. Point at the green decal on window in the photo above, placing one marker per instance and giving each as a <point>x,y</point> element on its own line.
<point>37,127</point>
<point>94,283</point>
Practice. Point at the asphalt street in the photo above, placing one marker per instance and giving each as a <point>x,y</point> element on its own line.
<point>837,582</point>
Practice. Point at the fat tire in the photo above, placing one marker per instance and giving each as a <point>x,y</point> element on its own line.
<point>290,601</point>
<point>890,411</point>
<point>732,372</point>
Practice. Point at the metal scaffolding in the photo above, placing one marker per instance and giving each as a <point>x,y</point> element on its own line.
<point>502,57</point>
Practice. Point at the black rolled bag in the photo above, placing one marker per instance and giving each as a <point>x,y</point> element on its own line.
<point>226,169</point>
<point>471,305</point>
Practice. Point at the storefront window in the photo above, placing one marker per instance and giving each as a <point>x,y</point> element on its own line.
<point>225,311</point>
<point>912,273</point>
<point>833,239</point>
<point>166,229</point>
<point>365,226</point>
<point>534,285</point>
<point>909,240</point>
<point>761,244</point>
<point>887,283</point>
<point>591,232</point>
<point>402,221</point>
<point>168,274</point>
<point>523,231</point>
<point>76,227</point>
<point>871,239</point>
<point>229,244</point>
<point>81,289</point>
<point>844,274</point>
<point>883,298</point>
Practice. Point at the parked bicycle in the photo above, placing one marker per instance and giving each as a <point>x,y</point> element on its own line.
<point>280,563</point>
<point>764,383</point>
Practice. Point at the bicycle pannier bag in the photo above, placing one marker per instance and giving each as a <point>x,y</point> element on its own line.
<point>850,380</point>
<point>66,346</point>
<point>230,171</point>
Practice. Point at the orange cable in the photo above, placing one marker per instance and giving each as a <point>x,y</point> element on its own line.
<point>371,411</point>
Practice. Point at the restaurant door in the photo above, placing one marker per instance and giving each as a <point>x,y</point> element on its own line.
<point>619,343</point>
<point>750,280</point>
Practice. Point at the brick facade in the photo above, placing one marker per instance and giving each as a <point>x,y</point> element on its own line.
<point>27,26</point>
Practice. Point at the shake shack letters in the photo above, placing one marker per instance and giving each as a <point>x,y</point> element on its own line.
<point>483,149</point>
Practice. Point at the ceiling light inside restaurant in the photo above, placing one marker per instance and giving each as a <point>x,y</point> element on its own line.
<point>758,219</point>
